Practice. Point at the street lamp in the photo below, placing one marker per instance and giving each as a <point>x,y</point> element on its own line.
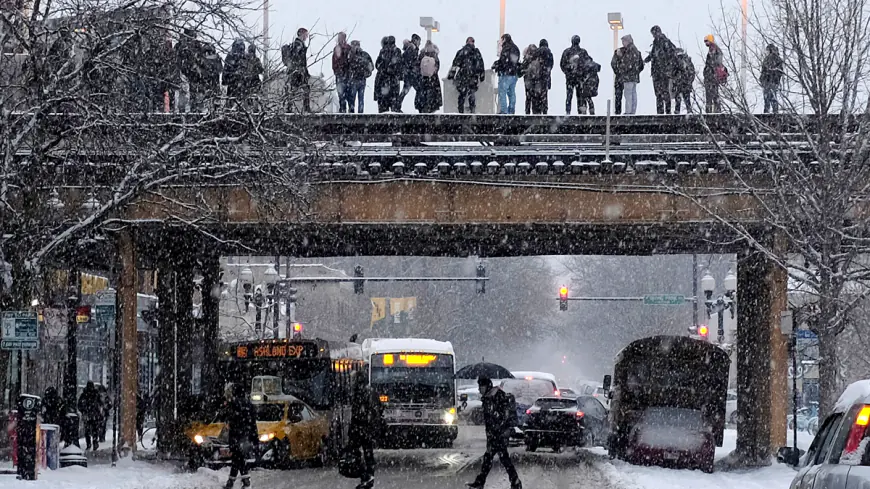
<point>270,278</point>
<point>246,277</point>
<point>725,302</point>
<point>615,21</point>
<point>431,25</point>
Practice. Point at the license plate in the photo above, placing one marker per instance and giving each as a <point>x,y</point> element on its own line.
<point>671,456</point>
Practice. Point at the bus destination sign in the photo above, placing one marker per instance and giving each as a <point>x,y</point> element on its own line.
<point>277,350</point>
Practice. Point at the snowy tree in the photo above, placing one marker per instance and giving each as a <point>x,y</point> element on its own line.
<point>813,161</point>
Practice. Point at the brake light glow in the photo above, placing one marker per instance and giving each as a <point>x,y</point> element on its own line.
<point>856,434</point>
<point>529,377</point>
<point>384,398</point>
<point>702,330</point>
<point>528,411</point>
<point>580,414</point>
<point>557,393</point>
<point>863,418</point>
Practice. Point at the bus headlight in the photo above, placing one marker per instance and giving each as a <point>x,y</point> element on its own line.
<point>198,439</point>
<point>265,437</point>
<point>450,416</point>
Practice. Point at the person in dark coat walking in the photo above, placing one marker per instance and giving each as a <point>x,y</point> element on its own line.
<point>243,439</point>
<point>771,77</point>
<point>52,407</point>
<point>499,416</point>
<point>360,68</point>
<point>366,419</point>
<point>507,67</point>
<point>91,407</point>
<point>410,66</point>
<point>534,78</point>
<point>295,58</point>
<point>235,76</point>
<point>627,63</point>
<point>467,72</point>
<point>684,80</point>
<point>428,98</point>
<point>663,57</point>
<point>573,64</point>
<point>715,74</point>
<point>390,70</point>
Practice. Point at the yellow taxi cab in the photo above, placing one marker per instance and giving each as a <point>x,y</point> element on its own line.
<point>289,432</point>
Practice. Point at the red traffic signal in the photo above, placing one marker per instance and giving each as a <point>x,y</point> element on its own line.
<point>297,330</point>
<point>703,330</point>
<point>563,298</point>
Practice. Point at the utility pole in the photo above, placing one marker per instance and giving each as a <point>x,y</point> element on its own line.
<point>695,288</point>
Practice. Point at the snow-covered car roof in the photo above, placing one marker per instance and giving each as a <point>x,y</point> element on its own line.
<point>857,392</point>
<point>396,345</point>
<point>522,374</point>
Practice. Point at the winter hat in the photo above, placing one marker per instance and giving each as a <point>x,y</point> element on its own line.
<point>627,38</point>
<point>544,43</point>
<point>655,30</point>
<point>709,38</point>
<point>415,38</point>
<point>507,38</point>
<point>575,40</point>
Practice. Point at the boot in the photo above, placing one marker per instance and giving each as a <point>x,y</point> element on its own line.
<point>230,482</point>
<point>246,482</point>
<point>475,485</point>
<point>367,483</point>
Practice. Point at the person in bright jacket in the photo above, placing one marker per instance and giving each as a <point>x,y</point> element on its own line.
<point>428,98</point>
<point>295,58</point>
<point>507,67</point>
<point>91,407</point>
<point>366,419</point>
<point>683,81</point>
<point>771,77</point>
<point>390,70</point>
<point>410,66</point>
<point>340,57</point>
<point>663,58</point>
<point>627,63</point>
<point>360,68</point>
<point>243,438</point>
<point>467,72</point>
<point>573,63</point>
<point>499,416</point>
<point>714,75</point>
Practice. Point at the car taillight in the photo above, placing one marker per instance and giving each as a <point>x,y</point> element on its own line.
<point>856,434</point>
<point>558,394</point>
<point>579,414</point>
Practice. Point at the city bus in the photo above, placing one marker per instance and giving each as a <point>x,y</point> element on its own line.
<point>414,379</point>
<point>315,371</point>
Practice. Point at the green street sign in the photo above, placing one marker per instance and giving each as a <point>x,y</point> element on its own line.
<point>664,300</point>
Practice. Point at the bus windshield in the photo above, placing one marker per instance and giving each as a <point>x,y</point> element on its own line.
<point>404,382</point>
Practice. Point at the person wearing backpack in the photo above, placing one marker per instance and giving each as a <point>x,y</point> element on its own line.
<point>715,74</point>
<point>467,72</point>
<point>500,418</point>
<point>428,98</point>
<point>588,87</point>
<point>573,63</point>
<point>295,58</point>
<point>411,66</point>
<point>389,66</point>
<point>533,73</point>
<point>663,58</point>
<point>627,63</point>
<point>360,68</point>
<point>684,81</point>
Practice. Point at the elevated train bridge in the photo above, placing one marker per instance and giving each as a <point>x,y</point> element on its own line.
<point>459,185</point>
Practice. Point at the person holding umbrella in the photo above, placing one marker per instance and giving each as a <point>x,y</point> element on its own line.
<point>500,417</point>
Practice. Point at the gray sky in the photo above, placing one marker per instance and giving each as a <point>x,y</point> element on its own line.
<point>684,21</point>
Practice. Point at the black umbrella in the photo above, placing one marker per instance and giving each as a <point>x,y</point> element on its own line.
<point>483,369</point>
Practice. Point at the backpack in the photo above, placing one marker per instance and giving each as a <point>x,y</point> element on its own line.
<point>721,74</point>
<point>428,66</point>
<point>535,70</point>
<point>286,54</point>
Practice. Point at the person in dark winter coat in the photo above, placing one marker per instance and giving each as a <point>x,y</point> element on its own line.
<point>683,81</point>
<point>467,72</point>
<point>627,63</point>
<point>507,67</point>
<point>212,69</point>
<point>340,59</point>
<point>499,416</point>
<point>535,80</point>
<point>547,57</point>
<point>428,98</point>
<point>390,71</point>
<point>235,76</point>
<point>366,418</point>
<point>663,58</point>
<point>771,77</point>
<point>295,58</point>
<point>242,421</point>
<point>106,402</point>
<point>360,68</point>
<point>715,74</point>
<point>91,408</point>
<point>190,62</point>
<point>52,407</point>
<point>253,71</point>
<point>589,87</point>
<point>411,66</point>
<point>573,64</point>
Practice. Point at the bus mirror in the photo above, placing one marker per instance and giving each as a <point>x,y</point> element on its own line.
<point>608,380</point>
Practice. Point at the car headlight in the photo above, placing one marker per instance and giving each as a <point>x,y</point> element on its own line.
<point>198,439</point>
<point>266,437</point>
<point>450,416</point>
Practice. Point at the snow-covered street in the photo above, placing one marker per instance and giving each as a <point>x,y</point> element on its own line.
<point>425,469</point>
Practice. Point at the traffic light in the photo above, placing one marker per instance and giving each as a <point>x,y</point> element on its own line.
<point>703,332</point>
<point>358,283</point>
<point>297,330</point>
<point>563,298</point>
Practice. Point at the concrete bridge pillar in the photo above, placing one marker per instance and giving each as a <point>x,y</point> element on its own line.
<point>762,359</point>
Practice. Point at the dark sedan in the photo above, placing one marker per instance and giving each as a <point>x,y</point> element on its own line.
<point>557,422</point>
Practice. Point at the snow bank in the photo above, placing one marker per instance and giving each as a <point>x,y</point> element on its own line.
<point>856,392</point>
<point>126,475</point>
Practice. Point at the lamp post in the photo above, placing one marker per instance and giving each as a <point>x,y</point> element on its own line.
<point>615,21</point>
<point>246,277</point>
<point>431,25</point>
<point>722,303</point>
<point>270,278</point>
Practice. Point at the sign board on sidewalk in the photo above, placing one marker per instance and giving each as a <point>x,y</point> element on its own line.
<point>20,331</point>
<point>664,300</point>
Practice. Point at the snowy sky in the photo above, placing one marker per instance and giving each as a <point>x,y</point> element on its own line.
<point>684,21</point>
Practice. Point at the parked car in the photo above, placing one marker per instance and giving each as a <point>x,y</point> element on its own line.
<point>556,422</point>
<point>838,457</point>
